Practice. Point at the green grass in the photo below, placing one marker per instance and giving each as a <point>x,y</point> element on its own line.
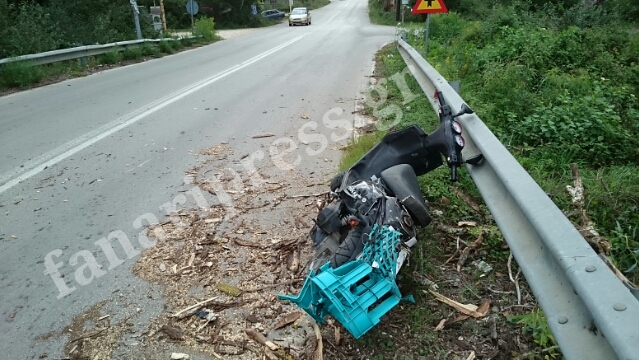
<point>19,74</point>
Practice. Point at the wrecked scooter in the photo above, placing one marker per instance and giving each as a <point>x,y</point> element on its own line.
<point>364,235</point>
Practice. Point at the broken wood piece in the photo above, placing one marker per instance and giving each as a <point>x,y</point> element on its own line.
<point>467,309</point>
<point>289,282</point>
<point>196,306</point>
<point>89,335</point>
<point>191,259</point>
<point>319,350</point>
<point>467,223</point>
<point>265,135</point>
<point>269,354</point>
<point>229,289</point>
<point>338,337</point>
<point>482,309</point>
<point>247,243</point>
<point>103,317</point>
<point>287,320</point>
<point>296,261</point>
<point>172,332</point>
<point>259,338</point>
<point>441,325</point>
<point>466,252</point>
<point>471,356</point>
<point>469,200</point>
<point>309,195</point>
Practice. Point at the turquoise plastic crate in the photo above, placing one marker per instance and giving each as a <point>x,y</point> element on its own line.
<point>356,294</point>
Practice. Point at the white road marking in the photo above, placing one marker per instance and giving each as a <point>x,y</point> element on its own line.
<point>36,165</point>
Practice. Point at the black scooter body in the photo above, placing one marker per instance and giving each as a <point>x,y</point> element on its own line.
<point>406,146</point>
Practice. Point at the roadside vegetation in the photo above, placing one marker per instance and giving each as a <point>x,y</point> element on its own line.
<point>557,83</point>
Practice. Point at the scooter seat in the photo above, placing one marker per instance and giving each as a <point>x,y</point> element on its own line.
<point>402,181</point>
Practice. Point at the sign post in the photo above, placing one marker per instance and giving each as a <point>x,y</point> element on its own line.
<point>290,6</point>
<point>428,7</point>
<point>192,8</point>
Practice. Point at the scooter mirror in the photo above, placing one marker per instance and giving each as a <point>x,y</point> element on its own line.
<point>465,109</point>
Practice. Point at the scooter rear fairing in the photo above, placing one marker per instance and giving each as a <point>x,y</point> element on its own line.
<point>404,146</point>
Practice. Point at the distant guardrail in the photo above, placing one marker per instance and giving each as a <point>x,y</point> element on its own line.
<point>590,311</point>
<point>82,51</point>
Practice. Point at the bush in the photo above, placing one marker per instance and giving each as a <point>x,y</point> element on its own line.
<point>205,27</point>
<point>150,50</point>
<point>19,74</point>
<point>132,53</point>
<point>111,57</point>
<point>166,47</point>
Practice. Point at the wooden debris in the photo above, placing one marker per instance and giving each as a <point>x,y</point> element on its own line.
<point>229,289</point>
<point>471,356</point>
<point>265,135</point>
<point>287,320</point>
<point>319,350</point>
<point>587,229</point>
<point>193,308</point>
<point>466,309</point>
<point>89,335</point>
<point>467,199</point>
<point>172,332</point>
<point>269,354</point>
<point>441,325</point>
<point>289,282</point>
<point>424,280</point>
<point>259,338</point>
<point>309,195</point>
<point>467,223</point>
<point>248,243</point>
<point>296,261</point>
<point>464,254</point>
<point>514,280</point>
<point>338,337</point>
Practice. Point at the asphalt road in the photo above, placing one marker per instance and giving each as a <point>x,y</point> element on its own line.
<point>86,157</point>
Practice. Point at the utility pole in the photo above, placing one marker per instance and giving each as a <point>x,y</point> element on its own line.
<point>162,15</point>
<point>136,12</point>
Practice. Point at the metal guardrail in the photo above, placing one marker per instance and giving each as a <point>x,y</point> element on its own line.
<point>591,313</point>
<point>80,52</point>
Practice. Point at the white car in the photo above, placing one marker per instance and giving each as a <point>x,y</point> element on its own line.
<point>299,16</point>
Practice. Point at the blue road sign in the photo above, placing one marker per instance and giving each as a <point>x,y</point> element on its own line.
<point>192,7</point>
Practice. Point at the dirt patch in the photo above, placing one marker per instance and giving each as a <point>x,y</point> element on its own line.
<point>221,268</point>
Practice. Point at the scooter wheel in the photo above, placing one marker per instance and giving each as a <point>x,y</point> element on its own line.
<point>349,248</point>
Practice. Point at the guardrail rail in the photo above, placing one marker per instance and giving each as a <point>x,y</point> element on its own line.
<point>591,313</point>
<point>80,51</point>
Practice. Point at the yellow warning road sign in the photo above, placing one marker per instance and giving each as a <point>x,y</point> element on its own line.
<point>429,7</point>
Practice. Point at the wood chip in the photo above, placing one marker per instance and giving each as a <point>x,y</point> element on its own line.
<point>259,338</point>
<point>287,320</point>
<point>467,309</point>
<point>338,337</point>
<point>265,135</point>
<point>441,325</point>
<point>467,223</point>
<point>319,350</point>
<point>172,332</point>
<point>193,307</point>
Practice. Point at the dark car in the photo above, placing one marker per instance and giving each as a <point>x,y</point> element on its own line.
<point>273,14</point>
